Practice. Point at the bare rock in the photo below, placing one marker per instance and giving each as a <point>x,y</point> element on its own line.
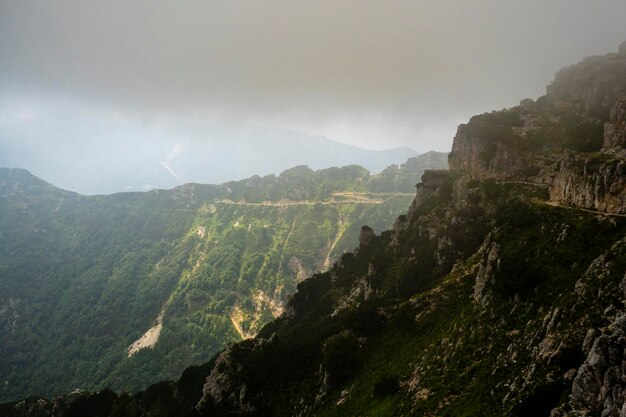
<point>586,182</point>
<point>225,387</point>
<point>615,129</point>
<point>489,251</point>
<point>601,380</point>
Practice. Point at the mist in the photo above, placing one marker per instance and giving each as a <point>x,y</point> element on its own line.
<point>144,77</point>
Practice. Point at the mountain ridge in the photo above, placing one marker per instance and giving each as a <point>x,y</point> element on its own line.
<point>200,154</point>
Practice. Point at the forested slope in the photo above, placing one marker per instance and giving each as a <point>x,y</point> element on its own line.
<point>83,278</point>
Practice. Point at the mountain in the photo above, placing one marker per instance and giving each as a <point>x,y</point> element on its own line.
<point>500,292</point>
<point>94,159</point>
<point>128,289</point>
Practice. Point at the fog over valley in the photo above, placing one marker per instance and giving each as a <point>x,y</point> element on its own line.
<point>94,155</point>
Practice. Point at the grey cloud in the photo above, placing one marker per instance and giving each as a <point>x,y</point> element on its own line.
<point>367,66</point>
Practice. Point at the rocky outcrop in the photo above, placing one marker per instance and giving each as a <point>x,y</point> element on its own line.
<point>485,276</point>
<point>573,139</point>
<point>361,291</point>
<point>596,181</point>
<point>465,154</point>
<point>434,184</point>
<point>590,182</point>
<point>231,383</point>
<point>225,387</point>
<point>600,382</point>
<point>615,129</point>
<point>481,157</point>
<point>593,85</point>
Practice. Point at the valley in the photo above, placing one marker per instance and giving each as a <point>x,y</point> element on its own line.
<point>129,289</point>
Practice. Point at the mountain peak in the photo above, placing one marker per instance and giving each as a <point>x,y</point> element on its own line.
<point>13,179</point>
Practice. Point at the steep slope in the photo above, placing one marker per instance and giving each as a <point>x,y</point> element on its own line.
<point>128,289</point>
<point>488,298</point>
<point>500,292</point>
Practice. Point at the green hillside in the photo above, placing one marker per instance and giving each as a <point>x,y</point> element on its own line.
<point>83,278</point>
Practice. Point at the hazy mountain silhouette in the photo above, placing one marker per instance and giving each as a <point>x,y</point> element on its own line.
<point>199,154</point>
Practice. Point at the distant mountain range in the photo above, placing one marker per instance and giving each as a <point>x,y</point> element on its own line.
<point>91,162</point>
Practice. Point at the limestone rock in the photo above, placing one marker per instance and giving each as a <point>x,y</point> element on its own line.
<point>433,184</point>
<point>615,129</point>
<point>600,381</point>
<point>595,83</point>
<point>585,182</point>
<point>486,269</point>
<point>225,386</point>
<point>481,157</point>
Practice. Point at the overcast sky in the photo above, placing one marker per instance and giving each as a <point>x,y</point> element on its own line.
<point>377,74</point>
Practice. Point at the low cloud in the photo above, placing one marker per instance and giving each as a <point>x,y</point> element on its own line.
<point>377,74</point>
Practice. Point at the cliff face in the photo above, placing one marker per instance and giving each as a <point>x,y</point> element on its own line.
<point>580,181</point>
<point>593,85</point>
<point>490,146</point>
<point>615,129</point>
<point>596,181</point>
<point>573,139</point>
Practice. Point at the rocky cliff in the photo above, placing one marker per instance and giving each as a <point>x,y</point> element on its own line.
<point>596,184</point>
<point>572,140</point>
